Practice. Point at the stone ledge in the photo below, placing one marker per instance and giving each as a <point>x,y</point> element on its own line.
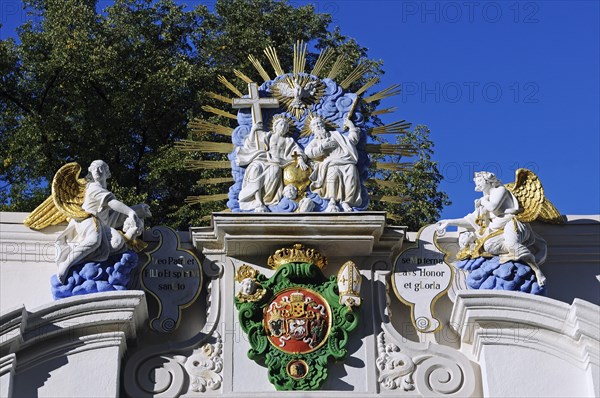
<point>73,318</point>
<point>337,234</point>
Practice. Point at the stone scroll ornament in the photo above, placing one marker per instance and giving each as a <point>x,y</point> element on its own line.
<point>173,276</point>
<point>96,252</point>
<point>298,320</point>
<point>421,277</point>
<point>498,247</point>
<point>300,143</point>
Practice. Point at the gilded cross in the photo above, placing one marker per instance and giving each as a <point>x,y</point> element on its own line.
<point>255,103</point>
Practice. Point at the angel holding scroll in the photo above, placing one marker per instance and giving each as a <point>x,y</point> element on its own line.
<point>94,214</point>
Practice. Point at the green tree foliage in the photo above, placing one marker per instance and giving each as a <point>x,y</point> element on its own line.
<point>121,84</point>
<point>419,186</point>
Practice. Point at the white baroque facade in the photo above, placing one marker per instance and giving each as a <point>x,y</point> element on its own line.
<point>492,343</point>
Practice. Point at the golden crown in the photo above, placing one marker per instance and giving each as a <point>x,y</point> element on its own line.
<point>297,254</point>
<point>244,272</point>
<point>297,296</point>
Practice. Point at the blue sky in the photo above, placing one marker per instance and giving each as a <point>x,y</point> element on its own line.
<point>501,85</point>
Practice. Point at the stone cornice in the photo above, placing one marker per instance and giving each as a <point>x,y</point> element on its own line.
<point>510,318</point>
<point>73,322</point>
<point>333,234</point>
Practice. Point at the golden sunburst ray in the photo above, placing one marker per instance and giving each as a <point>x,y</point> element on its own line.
<point>398,127</point>
<point>206,218</point>
<point>219,112</point>
<point>384,111</point>
<point>395,218</point>
<point>242,76</point>
<point>388,92</point>
<point>392,166</point>
<point>199,126</point>
<point>299,56</point>
<point>223,80</point>
<point>392,217</point>
<point>215,180</point>
<point>391,149</point>
<point>259,68</point>
<point>383,183</point>
<point>337,67</point>
<point>271,54</point>
<point>367,85</point>
<point>220,97</point>
<point>194,200</point>
<point>204,146</point>
<point>324,57</point>
<point>193,165</point>
<point>356,74</point>
<point>390,199</point>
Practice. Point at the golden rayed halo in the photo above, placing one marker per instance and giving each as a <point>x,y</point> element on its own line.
<point>306,131</point>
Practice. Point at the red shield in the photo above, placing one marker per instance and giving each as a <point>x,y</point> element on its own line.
<point>297,320</point>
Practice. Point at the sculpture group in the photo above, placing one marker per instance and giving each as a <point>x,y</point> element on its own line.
<point>100,226</point>
<point>332,157</point>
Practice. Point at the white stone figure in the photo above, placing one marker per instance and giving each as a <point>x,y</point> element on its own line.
<point>497,229</point>
<point>96,238</point>
<point>248,286</point>
<point>466,243</point>
<point>306,205</point>
<point>335,176</point>
<point>265,154</point>
<point>290,192</point>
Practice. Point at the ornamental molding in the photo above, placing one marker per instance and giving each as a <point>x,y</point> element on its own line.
<point>568,331</point>
<point>123,311</point>
<point>427,369</point>
<point>194,365</point>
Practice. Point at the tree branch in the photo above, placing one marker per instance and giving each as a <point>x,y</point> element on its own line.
<point>99,92</point>
<point>47,89</point>
<point>15,101</point>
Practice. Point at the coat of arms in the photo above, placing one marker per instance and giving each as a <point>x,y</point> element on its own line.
<point>296,321</point>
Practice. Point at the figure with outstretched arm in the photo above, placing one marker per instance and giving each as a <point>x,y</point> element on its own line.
<point>335,176</point>
<point>93,214</point>
<point>496,227</point>
<point>96,238</point>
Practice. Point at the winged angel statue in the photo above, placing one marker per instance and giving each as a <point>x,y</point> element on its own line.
<point>499,226</point>
<point>93,213</point>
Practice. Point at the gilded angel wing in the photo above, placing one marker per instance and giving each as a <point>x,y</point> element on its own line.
<point>550,214</point>
<point>45,215</point>
<point>528,190</point>
<point>68,191</point>
<point>65,202</point>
